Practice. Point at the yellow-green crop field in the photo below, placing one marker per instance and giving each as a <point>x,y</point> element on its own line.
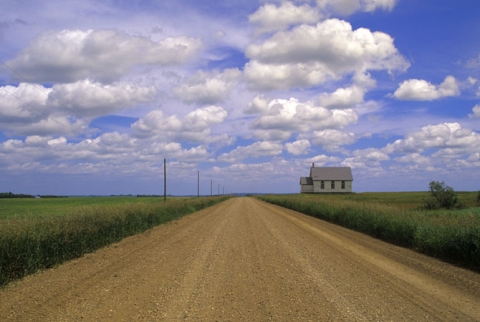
<point>28,207</point>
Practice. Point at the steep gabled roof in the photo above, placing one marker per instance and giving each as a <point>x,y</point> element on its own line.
<point>331,173</point>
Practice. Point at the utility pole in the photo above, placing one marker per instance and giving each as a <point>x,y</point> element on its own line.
<point>164,180</point>
<point>198,185</point>
<point>211,183</point>
<point>218,193</point>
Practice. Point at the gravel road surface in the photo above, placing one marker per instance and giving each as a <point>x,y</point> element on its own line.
<point>246,260</point>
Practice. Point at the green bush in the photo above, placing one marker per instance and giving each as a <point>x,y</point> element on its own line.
<point>441,196</point>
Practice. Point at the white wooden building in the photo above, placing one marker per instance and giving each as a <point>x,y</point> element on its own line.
<point>327,180</point>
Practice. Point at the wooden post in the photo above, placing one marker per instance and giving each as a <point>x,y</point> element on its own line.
<point>164,180</point>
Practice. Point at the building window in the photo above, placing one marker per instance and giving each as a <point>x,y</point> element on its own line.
<point>322,184</point>
<point>333,185</point>
<point>343,184</point>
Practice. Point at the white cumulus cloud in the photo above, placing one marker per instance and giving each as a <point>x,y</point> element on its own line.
<point>445,136</point>
<point>476,112</point>
<point>207,88</point>
<point>25,110</point>
<point>90,99</point>
<point>288,116</point>
<point>194,127</point>
<point>413,158</point>
<point>331,139</point>
<point>60,140</point>
<point>421,90</point>
<point>257,149</point>
<point>309,55</point>
<point>348,96</point>
<point>32,109</point>
<point>103,55</point>
<point>343,97</point>
<point>322,159</point>
<point>270,17</point>
<point>348,7</point>
<point>258,105</point>
<point>24,103</point>
<point>370,155</point>
<point>298,147</point>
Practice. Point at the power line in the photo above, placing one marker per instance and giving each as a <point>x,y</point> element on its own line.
<point>39,111</point>
<point>22,77</point>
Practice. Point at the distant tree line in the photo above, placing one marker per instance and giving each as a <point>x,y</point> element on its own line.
<point>14,195</point>
<point>10,195</point>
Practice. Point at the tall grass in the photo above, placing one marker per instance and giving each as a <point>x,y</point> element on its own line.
<point>448,235</point>
<point>28,244</point>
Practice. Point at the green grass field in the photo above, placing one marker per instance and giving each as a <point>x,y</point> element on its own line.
<point>62,206</point>
<point>403,200</point>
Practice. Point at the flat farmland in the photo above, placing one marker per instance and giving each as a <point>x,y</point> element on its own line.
<point>247,260</point>
<point>35,207</point>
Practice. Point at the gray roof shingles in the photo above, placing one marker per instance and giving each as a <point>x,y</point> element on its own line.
<point>331,173</point>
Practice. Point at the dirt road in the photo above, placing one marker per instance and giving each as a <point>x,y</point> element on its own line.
<point>245,260</point>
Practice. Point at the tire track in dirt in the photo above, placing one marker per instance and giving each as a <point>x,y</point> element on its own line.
<point>246,260</point>
<point>432,290</point>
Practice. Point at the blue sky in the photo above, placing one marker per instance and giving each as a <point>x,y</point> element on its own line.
<point>94,95</point>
